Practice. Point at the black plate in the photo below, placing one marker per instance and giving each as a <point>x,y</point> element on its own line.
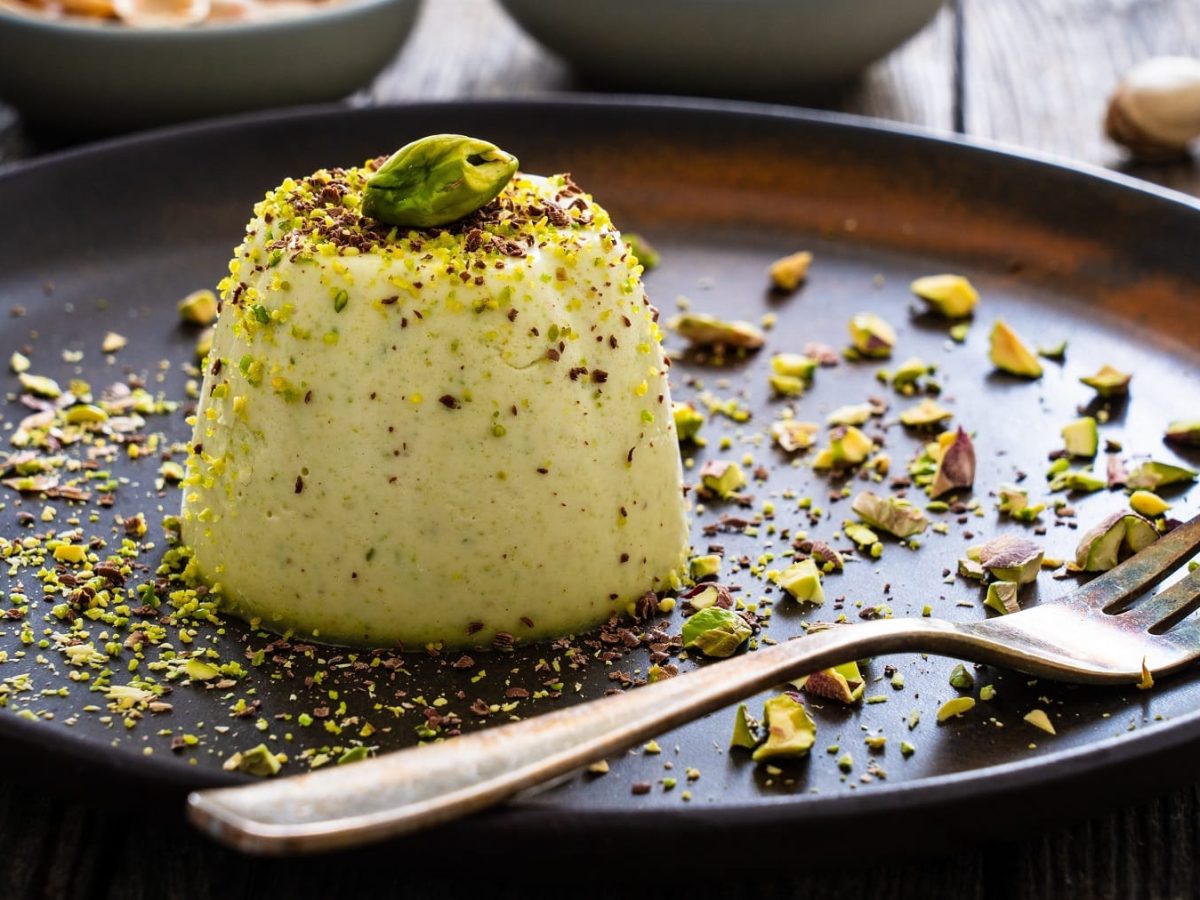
<point>722,189</point>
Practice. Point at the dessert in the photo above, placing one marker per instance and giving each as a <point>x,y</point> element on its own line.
<point>459,433</point>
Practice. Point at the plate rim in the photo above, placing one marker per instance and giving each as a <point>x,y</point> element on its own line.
<point>1113,753</point>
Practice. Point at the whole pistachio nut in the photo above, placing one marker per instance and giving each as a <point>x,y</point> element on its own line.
<point>437,180</point>
<point>1115,537</point>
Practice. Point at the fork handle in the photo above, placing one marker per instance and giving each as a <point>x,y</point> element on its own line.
<point>422,786</point>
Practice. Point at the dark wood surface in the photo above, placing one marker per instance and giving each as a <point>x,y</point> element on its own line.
<point>1035,73</point>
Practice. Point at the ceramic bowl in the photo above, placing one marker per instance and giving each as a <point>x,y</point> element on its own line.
<point>724,47</point>
<point>81,76</point>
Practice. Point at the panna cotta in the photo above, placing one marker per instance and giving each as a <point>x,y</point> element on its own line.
<point>458,434</point>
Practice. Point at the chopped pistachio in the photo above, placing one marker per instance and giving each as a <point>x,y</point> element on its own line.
<point>1038,719</point>
<point>1153,475</point>
<point>643,251</point>
<point>925,414</point>
<point>722,478</point>
<point>704,330</point>
<point>1181,431</point>
<point>1081,438</point>
<point>956,467</point>
<point>908,375</point>
<point>960,331</point>
<point>871,335</point>
<point>961,679</point>
<point>255,761</point>
<point>843,683</point>
<point>803,581</point>
<point>861,535</point>
<point>952,709</point>
<point>19,363</point>
<point>199,307</point>
<point>790,729</point>
<point>598,768</point>
<point>787,385</point>
<point>716,632</point>
<point>792,435</point>
<point>907,749</point>
<point>745,731</point>
<point>1009,353</point>
<point>1113,538</point>
<point>949,295</point>
<point>1015,502</point>
<point>1011,558</point>
<point>848,446</point>
<point>113,342</point>
<point>1148,504</point>
<point>40,385</point>
<point>1056,352</point>
<point>688,421</point>
<point>1108,382</point>
<point>1002,597</point>
<point>1074,480</point>
<point>896,517</point>
<point>705,566</point>
<point>789,272</point>
<point>857,414</point>
<point>987,692</point>
<point>794,364</point>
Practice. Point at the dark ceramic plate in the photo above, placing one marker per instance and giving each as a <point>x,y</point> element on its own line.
<point>723,190</point>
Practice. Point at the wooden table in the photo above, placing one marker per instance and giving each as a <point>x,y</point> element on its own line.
<point>1034,73</point>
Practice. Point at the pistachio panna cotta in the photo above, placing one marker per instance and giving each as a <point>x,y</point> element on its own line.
<point>461,434</point>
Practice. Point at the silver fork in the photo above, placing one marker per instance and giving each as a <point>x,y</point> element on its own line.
<point>1093,635</point>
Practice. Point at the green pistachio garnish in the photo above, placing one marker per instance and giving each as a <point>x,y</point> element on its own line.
<point>961,679</point>
<point>1148,504</point>
<point>857,414</point>
<point>925,414</point>
<point>956,467</point>
<point>1015,502</point>
<point>1109,382</point>
<point>1080,437</point>
<point>722,478</point>
<point>688,421</point>
<point>788,273</point>
<point>1009,353</point>
<point>199,307</point>
<point>791,435</point>
<point>704,330</point>
<point>256,761</point>
<point>745,730</point>
<point>1153,475</point>
<point>704,566</point>
<point>952,709</point>
<point>643,251</point>
<point>896,517</point>
<point>1038,719</point>
<point>847,447</point>
<point>803,581</point>
<point>1181,431</point>
<point>1116,536</point>
<point>871,335</point>
<point>843,683</point>
<point>1074,480</point>
<point>716,632</point>
<point>437,180</point>
<point>1011,558</point>
<point>950,295</point>
<point>790,729</point>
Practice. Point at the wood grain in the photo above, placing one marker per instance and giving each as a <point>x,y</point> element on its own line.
<point>1039,72</point>
<point>1034,73</point>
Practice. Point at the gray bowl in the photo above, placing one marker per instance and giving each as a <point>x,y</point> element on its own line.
<point>725,47</point>
<point>96,77</point>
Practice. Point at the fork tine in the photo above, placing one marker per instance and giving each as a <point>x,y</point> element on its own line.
<point>1141,570</point>
<point>1170,605</point>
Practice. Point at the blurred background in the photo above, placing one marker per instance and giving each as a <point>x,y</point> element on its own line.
<point>1037,73</point>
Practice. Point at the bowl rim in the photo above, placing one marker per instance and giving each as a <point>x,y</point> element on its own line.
<point>113,31</point>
